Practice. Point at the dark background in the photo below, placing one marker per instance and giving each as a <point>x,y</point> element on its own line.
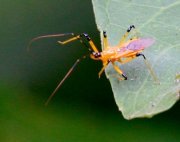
<point>84,108</point>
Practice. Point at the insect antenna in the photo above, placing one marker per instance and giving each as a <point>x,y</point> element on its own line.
<point>65,77</point>
<point>46,36</point>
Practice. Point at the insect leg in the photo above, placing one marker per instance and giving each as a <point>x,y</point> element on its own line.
<point>91,43</point>
<point>148,65</point>
<point>126,60</point>
<point>105,41</point>
<point>80,38</point>
<point>65,77</point>
<point>126,35</point>
<point>102,69</point>
<point>119,71</point>
<point>70,39</point>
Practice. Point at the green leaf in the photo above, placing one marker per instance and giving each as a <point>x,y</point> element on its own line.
<point>139,96</point>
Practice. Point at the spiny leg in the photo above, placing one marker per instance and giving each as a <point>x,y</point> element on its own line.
<point>148,65</point>
<point>105,41</point>
<point>119,71</point>
<point>62,81</point>
<point>126,35</point>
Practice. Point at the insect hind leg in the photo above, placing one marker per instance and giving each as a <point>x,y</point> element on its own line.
<point>140,54</point>
<point>148,65</point>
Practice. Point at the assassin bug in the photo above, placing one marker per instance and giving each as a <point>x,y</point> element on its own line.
<point>125,51</point>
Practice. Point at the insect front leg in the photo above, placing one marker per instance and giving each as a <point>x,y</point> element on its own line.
<point>81,37</point>
<point>103,68</point>
<point>91,43</point>
<point>70,39</point>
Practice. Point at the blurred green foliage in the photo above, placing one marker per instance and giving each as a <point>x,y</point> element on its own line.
<point>84,108</point>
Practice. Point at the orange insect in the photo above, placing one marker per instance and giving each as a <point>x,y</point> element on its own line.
<point>124,52</point>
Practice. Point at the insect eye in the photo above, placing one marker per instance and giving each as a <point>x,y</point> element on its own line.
<point>96,54</point>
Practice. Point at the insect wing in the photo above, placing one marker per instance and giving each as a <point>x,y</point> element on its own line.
<point>140,44</point>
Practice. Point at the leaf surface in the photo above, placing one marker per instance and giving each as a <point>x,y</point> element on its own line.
<point>139,96</point>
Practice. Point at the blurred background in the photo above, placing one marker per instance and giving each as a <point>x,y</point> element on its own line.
<point>84,108</point>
